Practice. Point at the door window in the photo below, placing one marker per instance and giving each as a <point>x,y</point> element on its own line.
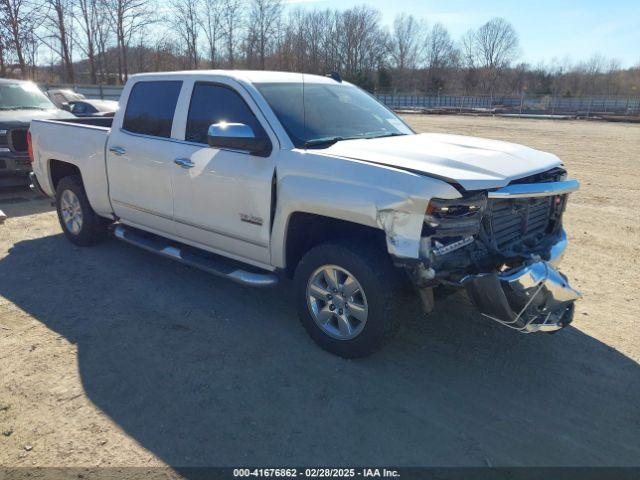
<point>150,108</point>
<point>212,103</point>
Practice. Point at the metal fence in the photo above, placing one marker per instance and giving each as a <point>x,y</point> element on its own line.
<point>515,104</point>
<point>102,92</point>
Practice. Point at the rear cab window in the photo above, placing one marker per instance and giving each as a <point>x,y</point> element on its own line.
<point>151,107</point>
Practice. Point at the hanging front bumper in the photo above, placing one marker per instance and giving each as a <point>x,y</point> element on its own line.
<point>534,298</point>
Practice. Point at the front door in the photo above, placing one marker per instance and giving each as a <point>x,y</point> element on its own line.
<point>222,198</point>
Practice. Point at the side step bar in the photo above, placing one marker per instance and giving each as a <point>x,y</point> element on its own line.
<point>208,262</point>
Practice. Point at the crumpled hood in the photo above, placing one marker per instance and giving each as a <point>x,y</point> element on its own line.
<point>25,116</point>
<point>474,163</point>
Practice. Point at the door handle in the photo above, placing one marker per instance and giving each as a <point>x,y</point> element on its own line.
<point>184,162</point>
<point>117,150</point>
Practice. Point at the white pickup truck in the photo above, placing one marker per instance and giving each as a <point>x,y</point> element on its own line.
<point>259,175</point>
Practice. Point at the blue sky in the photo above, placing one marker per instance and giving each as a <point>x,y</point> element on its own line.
<point>547,29</point>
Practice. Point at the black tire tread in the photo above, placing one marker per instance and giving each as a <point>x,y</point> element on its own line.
<point>388,290</point>
<point>94,227</point>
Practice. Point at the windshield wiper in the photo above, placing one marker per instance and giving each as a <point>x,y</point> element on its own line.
<point>328,141</point>
<point>393,134</point>
<point>322,142</point>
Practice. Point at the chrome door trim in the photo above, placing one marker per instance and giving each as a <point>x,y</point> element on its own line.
<point>218,232</point>
<point>189,224</point>
<point>141,209</point>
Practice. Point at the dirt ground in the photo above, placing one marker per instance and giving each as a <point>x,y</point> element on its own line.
<point>110,356</point>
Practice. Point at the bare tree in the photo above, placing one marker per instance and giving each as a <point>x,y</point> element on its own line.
<point>31,46</point>
<point>128,18</point>
<point>19,17</point>
<point>496,43</point>
<point>496,46</point>
<point>292,49</point>
<point>113,38</point>
<point>88,16</point>
<point>440,51</point>
<point>407,41</point>
<point>362,44</point>
<point>210,20</point>
<point>185,20</point>
<point>468,58</point>
<point>58,33</point>
<point>263,21</point>
<point>3,50</point>
<point>320,39</point>
<point>441,56</point>
<point>104,36</point>
<point>316,26</point>
<point>232,22</point>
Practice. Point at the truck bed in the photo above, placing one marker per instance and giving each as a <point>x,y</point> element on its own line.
<point>80,142</point>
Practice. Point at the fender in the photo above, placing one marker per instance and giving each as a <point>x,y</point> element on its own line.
<point>377,196</point>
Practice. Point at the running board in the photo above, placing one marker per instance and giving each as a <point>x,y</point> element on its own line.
<point>210,263</point>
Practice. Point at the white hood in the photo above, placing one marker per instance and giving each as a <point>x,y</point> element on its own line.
<point>474,163</point>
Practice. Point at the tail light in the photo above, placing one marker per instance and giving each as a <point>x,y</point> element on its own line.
<point>29,146</point>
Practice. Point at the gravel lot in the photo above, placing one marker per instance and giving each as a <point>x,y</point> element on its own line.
<point>111,356</point>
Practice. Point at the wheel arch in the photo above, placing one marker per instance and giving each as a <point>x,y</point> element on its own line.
<point>306,230</point>
<point>59,169</point>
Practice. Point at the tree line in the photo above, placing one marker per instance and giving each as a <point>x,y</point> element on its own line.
<point>104,41</point>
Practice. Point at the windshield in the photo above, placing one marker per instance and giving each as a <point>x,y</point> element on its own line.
<point>24,95</point>
<point>323,113</point>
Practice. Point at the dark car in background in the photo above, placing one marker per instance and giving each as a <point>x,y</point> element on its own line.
<point>93,108</point>
<point>63,96</point>
<point>20,102</point>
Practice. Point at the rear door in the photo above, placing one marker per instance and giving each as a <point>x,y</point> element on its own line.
<point>222,199</point>
<point>140,154</point>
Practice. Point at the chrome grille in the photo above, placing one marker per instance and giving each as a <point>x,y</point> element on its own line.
<point>516,220</point>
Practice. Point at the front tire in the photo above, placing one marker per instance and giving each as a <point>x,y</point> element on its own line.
<point>80,224</point>
<point>350,297</point>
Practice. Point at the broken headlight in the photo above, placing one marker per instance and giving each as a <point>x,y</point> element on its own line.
<point>454,218</point>
<point>450,225</point>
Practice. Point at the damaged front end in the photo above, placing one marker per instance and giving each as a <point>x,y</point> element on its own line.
<point>533,298</point>
<point>503,247</point>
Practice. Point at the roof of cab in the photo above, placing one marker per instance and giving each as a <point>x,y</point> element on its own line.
<point>249,76</point>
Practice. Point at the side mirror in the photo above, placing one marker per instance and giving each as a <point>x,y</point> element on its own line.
<point>66,106</point>
<point>237,136</point>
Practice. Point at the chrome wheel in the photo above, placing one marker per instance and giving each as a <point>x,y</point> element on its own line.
<point>337,302</point>
<point>71,212</point>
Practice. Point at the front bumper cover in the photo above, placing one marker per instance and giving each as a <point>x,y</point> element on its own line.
<point>532,298</point>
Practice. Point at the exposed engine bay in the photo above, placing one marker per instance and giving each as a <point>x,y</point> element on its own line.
<point>502,246</point>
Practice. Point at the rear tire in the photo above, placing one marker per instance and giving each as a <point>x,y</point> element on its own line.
<point>80,224</point>
<point>324,311</point>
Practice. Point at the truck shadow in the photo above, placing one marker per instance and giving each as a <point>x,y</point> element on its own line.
<point>202,372</point>
<point>21,201</point>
